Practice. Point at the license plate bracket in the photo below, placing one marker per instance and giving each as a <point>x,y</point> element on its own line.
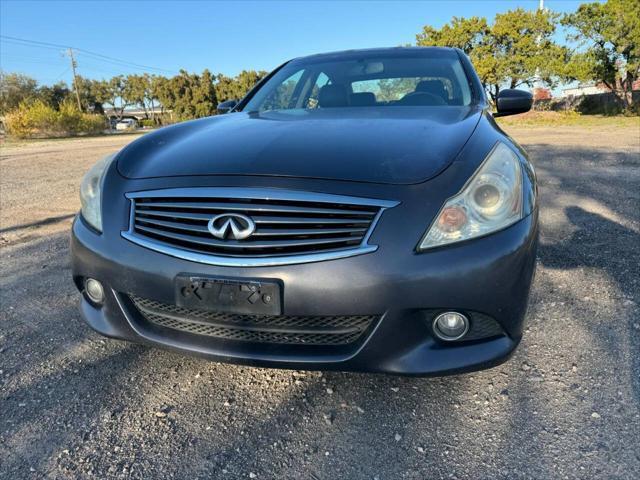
<point>229,295</point>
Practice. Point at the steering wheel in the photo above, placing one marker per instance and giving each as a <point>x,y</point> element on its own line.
<point>422,99</point>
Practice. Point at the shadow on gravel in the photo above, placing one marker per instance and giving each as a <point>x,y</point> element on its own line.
<point>40,223</point>
<point>609,176</point>
<point>56,376</point>
<point>39,427</point>
<point>589,204</point>
<point>349,433</point>
<point>602,244</point>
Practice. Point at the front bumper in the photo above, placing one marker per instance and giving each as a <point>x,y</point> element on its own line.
<point>490,276</point>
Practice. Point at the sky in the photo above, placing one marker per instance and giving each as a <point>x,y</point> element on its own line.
<point>225,37</point>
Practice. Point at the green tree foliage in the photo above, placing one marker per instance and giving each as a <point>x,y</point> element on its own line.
<point>611,34</point>
<point>136,91</point>
<point>235,88</point>
<point>54,95</point>
<point>514,51</point>
<point>189,95</point>
<point>15,89</point>
<point>392,89</point>
<point>158,83</point>
<point>114,92</point>
<point>471,35</point>
<point>281,97</point>
<point>464,33</point>
<point>143,90</point>
<point>92,94</point>
<point>525,48</point>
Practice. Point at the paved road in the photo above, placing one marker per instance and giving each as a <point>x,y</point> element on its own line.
<point>75,405</point>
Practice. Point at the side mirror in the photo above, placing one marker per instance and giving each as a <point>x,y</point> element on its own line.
<point>226,107</point>
<point>511,102</point>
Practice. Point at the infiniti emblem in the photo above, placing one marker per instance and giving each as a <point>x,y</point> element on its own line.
<point>231,225</point>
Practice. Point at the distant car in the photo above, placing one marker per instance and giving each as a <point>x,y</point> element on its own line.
<point>358,210</point>
<point>126,124</point>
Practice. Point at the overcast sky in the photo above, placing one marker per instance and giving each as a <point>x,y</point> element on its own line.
<point>224,37</point>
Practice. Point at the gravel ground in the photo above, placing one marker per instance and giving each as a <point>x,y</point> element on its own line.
<point>567,405</point>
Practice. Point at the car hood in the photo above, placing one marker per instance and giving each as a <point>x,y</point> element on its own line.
<point>393,145</point>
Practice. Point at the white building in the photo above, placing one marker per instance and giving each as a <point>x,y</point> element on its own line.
<point>584,89</point>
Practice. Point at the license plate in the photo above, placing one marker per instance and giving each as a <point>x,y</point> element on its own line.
<point>250,297</point>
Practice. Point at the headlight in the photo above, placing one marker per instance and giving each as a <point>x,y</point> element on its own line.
<point>491,200</point>
<point>91,192</point>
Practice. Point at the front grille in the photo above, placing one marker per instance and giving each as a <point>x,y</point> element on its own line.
<point>285,224</point>
<point>275,329</point>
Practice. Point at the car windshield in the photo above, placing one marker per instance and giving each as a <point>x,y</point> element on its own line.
<point>426,78</point>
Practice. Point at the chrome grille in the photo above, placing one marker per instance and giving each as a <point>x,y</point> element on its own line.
<point>287,223</point>
<point>281,329</point>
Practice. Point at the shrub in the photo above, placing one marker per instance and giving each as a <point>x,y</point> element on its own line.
<point>92,124</point>
<point>604,103</point>
<point>29,119</point>
<point>37,119</point>
<point>147,122</point>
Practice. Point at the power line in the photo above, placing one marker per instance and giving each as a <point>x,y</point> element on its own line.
<point>105,68</point>
<point>20,59</point>
<point>64,72</point>
<point>13,42</point>
<point>99,56</point>
<point>110,62</point>
<point>55,46</point>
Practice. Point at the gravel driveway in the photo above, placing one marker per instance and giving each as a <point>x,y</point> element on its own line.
<point>567,405</point>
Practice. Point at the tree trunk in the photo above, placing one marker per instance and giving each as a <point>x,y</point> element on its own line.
<point>153,111</point>
<point>494,94</point>
<point>626,93</point>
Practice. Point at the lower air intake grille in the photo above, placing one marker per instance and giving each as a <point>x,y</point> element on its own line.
<point>278,329</point>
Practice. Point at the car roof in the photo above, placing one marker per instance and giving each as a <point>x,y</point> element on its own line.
<point>378,52</point>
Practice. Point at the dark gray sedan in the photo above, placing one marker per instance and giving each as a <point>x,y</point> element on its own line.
<point>358,210</point>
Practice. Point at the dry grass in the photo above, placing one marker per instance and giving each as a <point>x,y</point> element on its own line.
<point>7,141</point>
<point>551,119</point>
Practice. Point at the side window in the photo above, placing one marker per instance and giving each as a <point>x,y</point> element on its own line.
<point>282,96</point>
<point>461,78</point>
<point>321,81</point>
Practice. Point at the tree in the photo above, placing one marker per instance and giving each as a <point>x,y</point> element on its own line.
<point>235,88</point>
<point>15,88</point>
<point>189,95</point>
<point>113,92</point>
<point>611,34</point>
<point>158,84</point>
<point>204,95</point>
<point>139,90</point>
<point>471,35</point>
<point>393,89</point>
<point>464,33</point>
<point>525,49</point>
<point>93,94</point>
<point>514,51</point>
<point>54,95</point>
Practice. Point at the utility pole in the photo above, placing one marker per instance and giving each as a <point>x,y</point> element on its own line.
<point>75,77</point>
<point>538,79</point>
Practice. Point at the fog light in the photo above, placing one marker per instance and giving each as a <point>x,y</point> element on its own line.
<point>450,326</point>
<point>94,290</point>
